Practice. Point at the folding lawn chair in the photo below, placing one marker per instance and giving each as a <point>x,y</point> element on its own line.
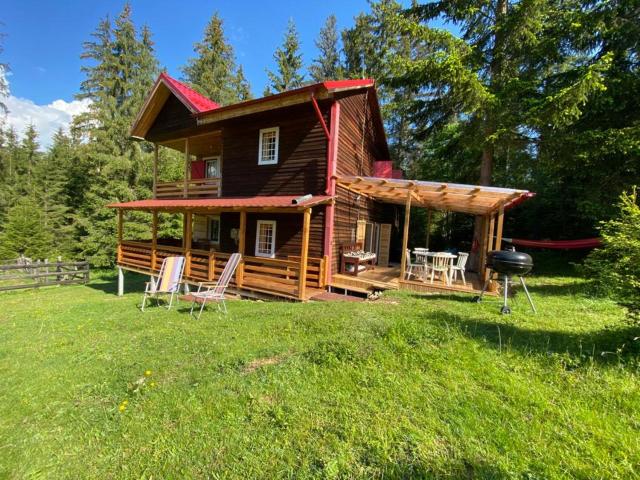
<point>167,282</point>
<point>215,292</point>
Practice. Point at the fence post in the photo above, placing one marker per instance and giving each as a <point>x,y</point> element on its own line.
<point>59,269</point>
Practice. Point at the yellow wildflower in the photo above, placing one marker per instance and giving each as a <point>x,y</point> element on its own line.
<point>122,408</point>
<point>147,373</point>
<point>153,384</point>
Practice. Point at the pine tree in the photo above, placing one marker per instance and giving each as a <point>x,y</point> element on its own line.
<point>327,65</point>
<point>213,71</point>
<point>24,233</point>
<point>51,179</point>
<point>30,154</point>
<point>241,86</point>
<point>289,62</point>
<point>122,68</point>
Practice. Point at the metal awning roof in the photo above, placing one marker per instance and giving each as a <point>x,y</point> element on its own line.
<point>453,197</point>
<point>257,203</point>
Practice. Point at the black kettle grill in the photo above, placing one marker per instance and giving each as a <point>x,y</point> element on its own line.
<point>508,263</point>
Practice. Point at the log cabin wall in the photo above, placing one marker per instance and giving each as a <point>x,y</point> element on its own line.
<point>302,156</point>
<point>357,150</point>
<point>173,117</point>
<point>288,232</point>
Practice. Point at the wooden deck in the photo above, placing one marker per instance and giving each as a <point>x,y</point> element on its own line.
<point>388,278</point>
<point>256,277</point>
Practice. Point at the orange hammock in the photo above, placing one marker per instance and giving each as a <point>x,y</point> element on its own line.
<point>556,244</point>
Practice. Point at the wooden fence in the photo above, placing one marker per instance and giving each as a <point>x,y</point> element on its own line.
<point>40,274</point>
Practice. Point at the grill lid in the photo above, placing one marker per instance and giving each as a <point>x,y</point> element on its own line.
<point>510,257</point>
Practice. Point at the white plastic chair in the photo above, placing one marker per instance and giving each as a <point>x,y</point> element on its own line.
<point>441,264</point>
<point>215,292</point>
<point>459,267</point>
<point>167,282</point>
<point>411,267</point>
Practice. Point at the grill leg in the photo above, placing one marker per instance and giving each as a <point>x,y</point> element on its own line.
<point>505,307</point>
<point>478,299</point>
<point>526,291</point>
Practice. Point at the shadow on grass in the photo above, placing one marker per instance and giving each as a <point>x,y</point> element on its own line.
<point>608,345</point>
<point>107,281</point>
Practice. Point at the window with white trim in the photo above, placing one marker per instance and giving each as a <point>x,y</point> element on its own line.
<point>266,238</point>
<point>268,148</point>
<point>214,229</point>
<point>212,167</point>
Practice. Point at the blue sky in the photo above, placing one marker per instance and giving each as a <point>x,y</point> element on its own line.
<point>43,41</point>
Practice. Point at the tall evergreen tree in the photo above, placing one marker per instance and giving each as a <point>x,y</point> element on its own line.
<point>121,71</point>
<point>241,86</point>
<point>23,232</point>
<point>213,71</point>
<point>288,61</point>
<point>327,65</point>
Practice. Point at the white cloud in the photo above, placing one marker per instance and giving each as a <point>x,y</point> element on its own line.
<point>46,118</point>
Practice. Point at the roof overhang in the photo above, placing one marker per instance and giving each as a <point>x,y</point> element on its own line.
<point>160,92</point>
<point>279,203</point>
<point>320,91</point>
<point>453,197</point>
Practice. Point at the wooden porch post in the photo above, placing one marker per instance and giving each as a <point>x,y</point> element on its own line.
<point>405,236</point>
<point>154,239</point>
<point>429,212</point>
<point>155,169</point>
<point>489,246</point>
<point>119,252</point>
<point>185,187</point>
<point>499,228</point>
<point>482,257</point>
<point>241,244</point>
<point>304,254</point>
<point>187,242</point>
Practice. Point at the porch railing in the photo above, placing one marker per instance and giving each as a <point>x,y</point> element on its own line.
<point>273,276</point>
<point>201,187</point>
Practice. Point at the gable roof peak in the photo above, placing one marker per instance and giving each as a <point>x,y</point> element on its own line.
<point>196,102</point>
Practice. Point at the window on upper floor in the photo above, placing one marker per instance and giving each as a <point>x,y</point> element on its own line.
<point>266,238</point>
<point>212,169</point>
<point>268,148</point>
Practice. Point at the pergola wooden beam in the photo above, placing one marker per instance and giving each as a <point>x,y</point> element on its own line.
<point>405,235</point>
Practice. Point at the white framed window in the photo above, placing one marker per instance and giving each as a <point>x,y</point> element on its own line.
<point>212,167</point>
<point>214,229</point>
<point>268,148</point>
<point>266,238</point>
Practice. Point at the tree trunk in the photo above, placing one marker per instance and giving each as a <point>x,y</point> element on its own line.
<point>488,150</point>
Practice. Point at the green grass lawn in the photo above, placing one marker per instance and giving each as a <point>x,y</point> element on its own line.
<point>405,387</point>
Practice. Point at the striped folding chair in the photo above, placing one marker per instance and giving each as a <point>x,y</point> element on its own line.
<point>167,282</point>
<point>215,292</point>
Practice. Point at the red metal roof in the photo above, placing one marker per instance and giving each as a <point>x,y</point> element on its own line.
<point>279,201</point>
<point>199,103</point>
<point>330,86</point>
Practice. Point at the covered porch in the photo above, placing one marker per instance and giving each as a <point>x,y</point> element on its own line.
<point>294,276</point>
<point>486,204</point>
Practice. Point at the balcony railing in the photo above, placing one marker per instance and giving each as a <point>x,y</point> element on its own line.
<point>273,276</point>
<point>202,187</point>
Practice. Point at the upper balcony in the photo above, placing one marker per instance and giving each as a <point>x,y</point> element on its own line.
<point>197,188</point>
<point>202,157</point>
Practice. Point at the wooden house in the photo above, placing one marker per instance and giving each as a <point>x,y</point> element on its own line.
<point>289,181</point>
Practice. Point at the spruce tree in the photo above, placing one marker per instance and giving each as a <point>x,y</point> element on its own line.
<point>241,86</point>
<point>213,71</point>
<point>121,71</point>
<point>24,233</point>
<point>288,61</point>
<point>327,65</point>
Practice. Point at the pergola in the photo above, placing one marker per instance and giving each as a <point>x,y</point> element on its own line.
<point>489,203</point>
